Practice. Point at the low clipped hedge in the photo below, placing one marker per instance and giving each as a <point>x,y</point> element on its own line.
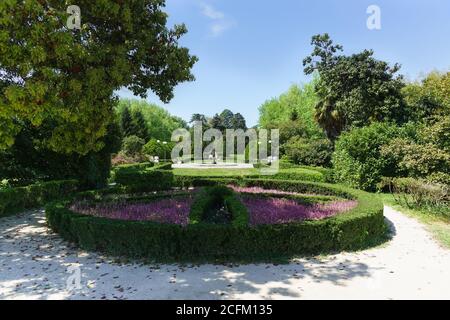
<point>209,196</point>
<point>14,200</point>
<point>361,227</point>
<point>145,180</point>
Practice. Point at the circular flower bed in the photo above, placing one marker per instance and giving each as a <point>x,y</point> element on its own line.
<point>248,220</point>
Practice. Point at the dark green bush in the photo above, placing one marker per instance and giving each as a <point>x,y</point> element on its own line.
<point>358,161</point>
<point>200,241</point>
<point>309,151</point>
<point>14,200</point>
<point>212,197</point>
<point>149,179</point>
<point>132,145</point>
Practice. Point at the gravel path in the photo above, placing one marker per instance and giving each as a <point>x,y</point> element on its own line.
<point>34,264</point>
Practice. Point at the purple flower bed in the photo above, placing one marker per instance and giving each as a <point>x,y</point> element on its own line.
<point>258,190</point>
<point>278,211</point>
<point>169,210</point>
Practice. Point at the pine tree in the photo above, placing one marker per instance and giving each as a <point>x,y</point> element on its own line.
<point>239,122</point>
<point>126,123</point>
<point>140,125</point>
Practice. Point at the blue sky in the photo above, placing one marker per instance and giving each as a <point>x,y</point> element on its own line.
<point>251,50</point>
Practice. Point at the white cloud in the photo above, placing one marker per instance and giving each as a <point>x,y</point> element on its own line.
<point>220,24</point>
<point>212,13</point>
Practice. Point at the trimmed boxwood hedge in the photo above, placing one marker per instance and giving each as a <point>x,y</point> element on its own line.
<point>209,196</point>
<point>14,200</point>
<point>361,227</point>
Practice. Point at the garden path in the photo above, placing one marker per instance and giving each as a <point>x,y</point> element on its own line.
<point>34,264</point>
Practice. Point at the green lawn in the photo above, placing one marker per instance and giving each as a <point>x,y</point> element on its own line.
<point>439,226</point>
<point>301,174</point>
<point>215,172</point>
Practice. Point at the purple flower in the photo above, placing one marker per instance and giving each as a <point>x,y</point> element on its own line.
<point>169,210</point>
<point>278,211</point>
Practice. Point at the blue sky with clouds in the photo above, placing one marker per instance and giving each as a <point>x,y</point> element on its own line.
<point>251,50</point>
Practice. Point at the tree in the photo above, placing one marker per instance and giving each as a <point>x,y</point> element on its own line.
<point>238,122</point>
<point>353,90</point>
<point>29,160</point>
<point>226,119</point>
<point>159,122</point>
<point>140,125</point>
<point>298,103</point>
<point>132,145</point>
<point>51,73</point>
<point>428,98</point>
<point>197,117</point>
<point>216,122</point>
<point>126,122</point>
<point>153,148</point>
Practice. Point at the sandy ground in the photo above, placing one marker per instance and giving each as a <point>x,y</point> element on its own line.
<point>35,264</point>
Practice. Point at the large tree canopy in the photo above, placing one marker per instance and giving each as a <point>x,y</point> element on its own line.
<point>297,104</point>
<point>353,90</point>
<point>159,123</point>
<point>428,98</point>
<point>48,72</point>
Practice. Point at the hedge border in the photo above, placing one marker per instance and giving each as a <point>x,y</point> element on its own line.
<point>14,200</point>
<point>359,228</point>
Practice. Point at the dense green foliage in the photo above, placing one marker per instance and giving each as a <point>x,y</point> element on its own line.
<point>132,145</point>
<point>13,200</point>
<point>145,178</point>
<point>157,148</point>
<point>30,160</point>
<point>311,152</point>
<point>51,73</point>
<point>159,122</point>
<point>296,104</point>
<point>358,160</point>
<point>215,197</point>
<point>355,229</point>
<point>427,155</point>
<point>353,90</point>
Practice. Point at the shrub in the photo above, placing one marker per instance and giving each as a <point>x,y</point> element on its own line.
<point>122,159</point>
<point>153,148</point>
<point>132,145</point>
<point>427,156</point>
<point>213,197</point>
<point>13,200</point>
<point>144,180</point>
<point>358,160</point>
<point>419,193</point>
<point>311,152</point>
<point>357,228</point>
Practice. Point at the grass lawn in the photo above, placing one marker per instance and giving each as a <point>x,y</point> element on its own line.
<point>439,226</point>
<point>215,172</point>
